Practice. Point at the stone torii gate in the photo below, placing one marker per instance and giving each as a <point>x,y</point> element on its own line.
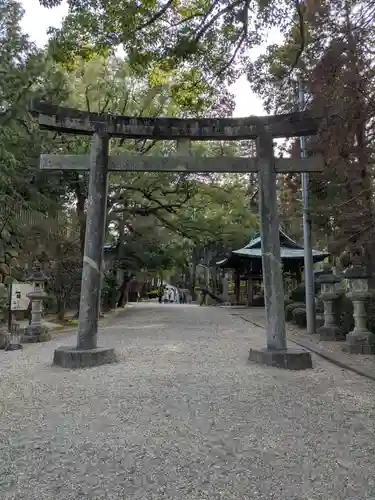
<point>99,163</point>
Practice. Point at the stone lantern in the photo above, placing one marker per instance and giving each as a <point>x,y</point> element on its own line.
<point>36,332</point>
<point>329,292</point>
<point>360,340</point>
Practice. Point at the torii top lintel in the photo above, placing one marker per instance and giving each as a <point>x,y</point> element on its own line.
<point>69,120</point>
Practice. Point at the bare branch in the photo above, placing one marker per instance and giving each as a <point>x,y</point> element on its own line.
<point>156,16</point>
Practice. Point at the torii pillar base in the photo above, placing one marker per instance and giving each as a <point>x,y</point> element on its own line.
<point>289,359</point>
<point>73,358</point>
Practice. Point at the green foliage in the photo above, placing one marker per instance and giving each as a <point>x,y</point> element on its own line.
<point>218,215</point>
<point>26,195</point>
<point>299,316</point>
<point>109,291</point>
<point>212,36</point>
<point>289,309</point>
<point>4,302</point>
<point>153,294</point>
<point>343,312</point>
<point>298,294</point>
<point>50,303</point>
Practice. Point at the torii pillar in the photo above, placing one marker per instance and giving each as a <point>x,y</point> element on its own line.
<point>276,352</point>
<point>87,353</point>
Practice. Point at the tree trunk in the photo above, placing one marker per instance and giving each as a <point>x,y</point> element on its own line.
<point>194,262</point>
<point>193,282</point>
<point>61,308</point>
<point>124,291</point>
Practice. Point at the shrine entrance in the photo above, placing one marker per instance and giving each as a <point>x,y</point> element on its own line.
<point>183,131</point>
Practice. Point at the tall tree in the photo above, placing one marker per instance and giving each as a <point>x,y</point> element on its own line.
<point>336,64</point>
<point>25,194</point>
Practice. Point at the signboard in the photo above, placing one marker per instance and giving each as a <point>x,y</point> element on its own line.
<point>19,301</point>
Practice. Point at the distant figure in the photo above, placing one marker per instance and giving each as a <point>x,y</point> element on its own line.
<point>165,295</point>
<point>160,294</point>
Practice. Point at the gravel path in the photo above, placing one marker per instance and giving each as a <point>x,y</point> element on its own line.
<point>182,416</point>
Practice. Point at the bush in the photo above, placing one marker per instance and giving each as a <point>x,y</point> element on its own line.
<point>290,308</point>
<point>298,294</point>
<point>153,294</point>
<point>343,312</point>
<point>50,304</point>
<point>109,292</point>
<point>287,301</point>
<point>299,315</point>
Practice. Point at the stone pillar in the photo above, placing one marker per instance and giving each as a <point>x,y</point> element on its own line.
<point>276,353</point>
<point>87,353</point>
<point>271,261</point>
<point>360,340</point>
<point>94,240</point>
<point>329,292</point>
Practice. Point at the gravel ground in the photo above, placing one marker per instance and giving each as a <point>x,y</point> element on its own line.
<point>182,416</point>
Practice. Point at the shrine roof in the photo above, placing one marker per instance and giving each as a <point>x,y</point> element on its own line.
<point>289,250</point>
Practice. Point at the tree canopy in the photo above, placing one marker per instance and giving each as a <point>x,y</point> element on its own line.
<point>200,44</point>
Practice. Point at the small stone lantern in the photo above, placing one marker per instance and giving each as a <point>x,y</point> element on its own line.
<point>329,292</point>
<point>36,332</point>
<point>360,340</point>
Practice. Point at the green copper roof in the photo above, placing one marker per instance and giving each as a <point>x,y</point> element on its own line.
<point>285,241</point>
<point>289,249</point>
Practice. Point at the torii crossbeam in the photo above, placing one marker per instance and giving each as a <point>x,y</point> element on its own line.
<point>102,128</point>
